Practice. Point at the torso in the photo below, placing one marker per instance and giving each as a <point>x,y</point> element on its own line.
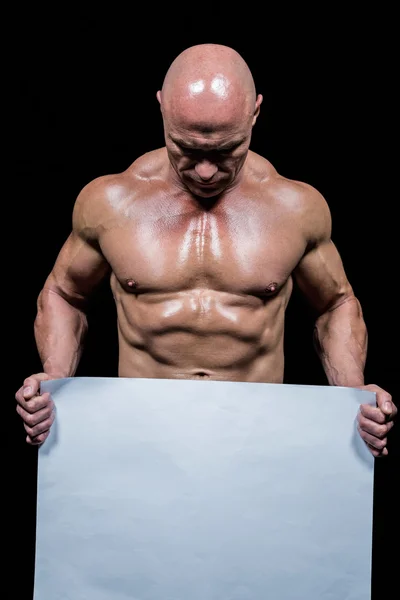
<point>202,293</point>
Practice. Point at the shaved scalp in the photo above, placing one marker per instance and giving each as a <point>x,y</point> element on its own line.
<point>208,82</point>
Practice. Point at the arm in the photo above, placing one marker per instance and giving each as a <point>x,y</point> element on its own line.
<point>340,332</point>
<point>61,323</point>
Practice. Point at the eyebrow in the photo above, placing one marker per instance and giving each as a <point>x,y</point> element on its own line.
<point>208,146</point>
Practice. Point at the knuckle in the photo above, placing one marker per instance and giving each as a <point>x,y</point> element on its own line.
<point>39,439</point>
<point>35,441</point>
<point>377,416</point>
<point>30,420</point>
<point>47,412</point>
<point>380,444</point>
<point>45,426</point>
<point>381,431</point>
<point>30,407</point>
<point>29,430</point>
<point>38,404</point>
<point>361,422</point>
<point>33,432</point>
<point>363,434</point>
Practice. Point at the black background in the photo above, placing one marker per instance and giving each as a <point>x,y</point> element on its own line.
<point>82,90</point>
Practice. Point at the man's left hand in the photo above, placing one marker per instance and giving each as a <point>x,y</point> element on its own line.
<point>375,422</point>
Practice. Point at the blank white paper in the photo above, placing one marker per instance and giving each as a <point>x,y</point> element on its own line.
<point>154,489</point>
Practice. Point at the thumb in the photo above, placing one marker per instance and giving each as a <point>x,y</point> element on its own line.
<point>384,402</point>
<point>32,384</point>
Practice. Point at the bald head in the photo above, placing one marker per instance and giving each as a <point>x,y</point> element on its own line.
<point>209,106</point>
<point>208,83</point>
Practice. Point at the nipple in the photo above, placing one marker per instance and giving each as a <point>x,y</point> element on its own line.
<point>131,283</point>
<point>271,287</point>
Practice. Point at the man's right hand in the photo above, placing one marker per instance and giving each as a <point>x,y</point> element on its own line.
<point>36,411</point>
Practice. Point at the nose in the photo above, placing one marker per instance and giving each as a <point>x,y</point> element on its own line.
<point>205,170</point>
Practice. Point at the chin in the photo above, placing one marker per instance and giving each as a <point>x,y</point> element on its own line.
<point>204,191</point>
<point>211,193</point>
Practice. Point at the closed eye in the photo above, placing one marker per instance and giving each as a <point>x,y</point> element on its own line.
<point>209,151</point>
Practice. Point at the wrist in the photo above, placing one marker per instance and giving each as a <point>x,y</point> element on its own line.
<point>54,371</point>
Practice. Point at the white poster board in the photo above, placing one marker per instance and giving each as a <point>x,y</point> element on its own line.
<point>203,490</point>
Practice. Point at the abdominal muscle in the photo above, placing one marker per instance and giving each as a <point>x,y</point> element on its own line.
<point>201,334</point>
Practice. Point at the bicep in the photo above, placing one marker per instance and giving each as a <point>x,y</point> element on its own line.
<point>79,268</point>
<point>321,277</point>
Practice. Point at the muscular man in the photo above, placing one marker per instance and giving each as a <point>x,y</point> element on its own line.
<point>202,240</point>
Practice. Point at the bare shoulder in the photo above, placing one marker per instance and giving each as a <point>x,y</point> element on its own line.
<point>110,196</point>
<point>301,198</point>
<point>296,199</point>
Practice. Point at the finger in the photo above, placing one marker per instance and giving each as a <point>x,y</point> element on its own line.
<point>32,384</point>
<point>383,400</point>
<point>32,419</point>
<point>394,410</point>
<point>36,403</point>
<point>372,441</point>
<point>37,440</point>
<point>40,428</point>
<point>26,393</point>
<point>19,396</point>
<point>373,413</point>
<point>376,429</point>
<point>377,453</point>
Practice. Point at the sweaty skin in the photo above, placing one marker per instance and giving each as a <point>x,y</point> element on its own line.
<point>200,291</point>
<point>202,241</point>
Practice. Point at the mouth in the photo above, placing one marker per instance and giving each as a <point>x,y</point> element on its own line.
<point>206,183</point>
<point>205,187</point>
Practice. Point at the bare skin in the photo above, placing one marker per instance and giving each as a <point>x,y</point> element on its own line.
<point>202,241</point>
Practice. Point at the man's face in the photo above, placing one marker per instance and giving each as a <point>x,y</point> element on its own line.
<point>208,162</point>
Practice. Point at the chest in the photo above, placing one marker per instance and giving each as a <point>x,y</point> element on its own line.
<point>244,252</point>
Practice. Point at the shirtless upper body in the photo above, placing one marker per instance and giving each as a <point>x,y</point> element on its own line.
<point>202,240</point>
<point>200,287</point>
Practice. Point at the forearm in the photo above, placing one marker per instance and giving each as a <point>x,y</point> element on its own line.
<point>60,328</point>
<point>341,340</point>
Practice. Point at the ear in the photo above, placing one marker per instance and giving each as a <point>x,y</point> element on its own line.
<point>159,96</point>
<point>257,108</point>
